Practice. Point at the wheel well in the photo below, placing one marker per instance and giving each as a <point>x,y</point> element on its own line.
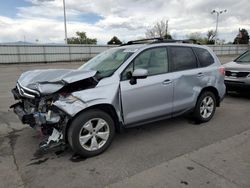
<point>214,91</point>
<point>109,109</point>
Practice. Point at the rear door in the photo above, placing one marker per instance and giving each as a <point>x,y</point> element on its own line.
<point>150,97</point>
<point>188,77</point>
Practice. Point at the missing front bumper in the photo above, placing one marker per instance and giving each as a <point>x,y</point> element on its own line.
<point>48,126</point>
<point>36,118</point>
<point>22,115</point>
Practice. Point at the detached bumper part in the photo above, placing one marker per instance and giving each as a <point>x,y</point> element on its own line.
<point>53,140</point>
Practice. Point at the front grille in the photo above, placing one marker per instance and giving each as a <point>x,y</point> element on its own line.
<point>237,74</point>
<point>25,92</point>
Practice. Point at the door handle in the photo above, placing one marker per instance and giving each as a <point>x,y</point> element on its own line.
<point>166,82</point>
<point>200,74</point>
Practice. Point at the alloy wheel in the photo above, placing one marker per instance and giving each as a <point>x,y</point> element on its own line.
<point>207,107</point>
<point>94,134</point>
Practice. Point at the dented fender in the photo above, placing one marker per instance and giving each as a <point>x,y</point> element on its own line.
<point>101,94</point>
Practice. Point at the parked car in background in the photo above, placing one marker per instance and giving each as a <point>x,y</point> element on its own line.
<point>126,86</point>
<point>237,73</point>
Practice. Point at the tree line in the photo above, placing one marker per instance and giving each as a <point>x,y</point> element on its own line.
<point>160,30</point>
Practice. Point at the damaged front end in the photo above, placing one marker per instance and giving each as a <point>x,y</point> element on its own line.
<point>36,107</point>
<point>40,114</point>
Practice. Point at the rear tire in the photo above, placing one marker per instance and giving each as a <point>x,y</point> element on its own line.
<point>91,133</point>
<point>205,107</point>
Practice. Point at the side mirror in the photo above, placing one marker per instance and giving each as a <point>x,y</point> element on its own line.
<point>138,74</point>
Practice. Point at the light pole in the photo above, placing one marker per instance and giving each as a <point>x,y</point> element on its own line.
<point>65,25</point>
<point>217,12</point>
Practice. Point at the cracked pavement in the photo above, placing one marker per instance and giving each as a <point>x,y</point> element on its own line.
<point>171,153</point>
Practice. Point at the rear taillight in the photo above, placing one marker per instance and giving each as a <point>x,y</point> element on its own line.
<point>222,70</point>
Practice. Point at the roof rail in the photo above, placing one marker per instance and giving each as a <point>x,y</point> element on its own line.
<point>159,40</point>
<point>192,41</point>
<point>142,41</point>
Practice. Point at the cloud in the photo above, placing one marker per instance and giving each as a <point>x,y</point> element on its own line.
<point>43,19</point>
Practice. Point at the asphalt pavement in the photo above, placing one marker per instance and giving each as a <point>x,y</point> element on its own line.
<point>170,153</point>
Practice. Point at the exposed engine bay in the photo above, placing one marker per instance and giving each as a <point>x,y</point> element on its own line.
<point>36,108</point>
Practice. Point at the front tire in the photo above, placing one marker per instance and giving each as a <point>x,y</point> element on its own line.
<point>205,107</point>
<point>91,133</point>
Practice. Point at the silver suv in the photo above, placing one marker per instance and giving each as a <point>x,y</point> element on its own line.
<point>122,87</point>
<point>238,73</point>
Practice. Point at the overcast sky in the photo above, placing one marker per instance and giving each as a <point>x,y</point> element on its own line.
<point>127,19</point>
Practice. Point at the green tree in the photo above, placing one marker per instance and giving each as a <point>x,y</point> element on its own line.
<point>114,41</point>
<point>167,36</point>
<point>196,36</point>
<point>242,37</point>
<point>199,38</point>
<point>81,38</point>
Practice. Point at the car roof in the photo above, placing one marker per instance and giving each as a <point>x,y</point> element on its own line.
<point>133,47</point>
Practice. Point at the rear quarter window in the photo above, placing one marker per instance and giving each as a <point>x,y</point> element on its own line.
<point>204,57</point>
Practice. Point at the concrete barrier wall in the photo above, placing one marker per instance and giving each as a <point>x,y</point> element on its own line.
<point>56,53</point>
<point>48,53</point>
<point>229,49</point>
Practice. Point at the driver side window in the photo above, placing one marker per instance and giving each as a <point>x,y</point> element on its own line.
<point>155,60</point>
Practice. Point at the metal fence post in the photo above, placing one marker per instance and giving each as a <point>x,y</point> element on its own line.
<point>70,58</point>
<point>90,55</point>
<point>44,54</point>
<point>18,54</point>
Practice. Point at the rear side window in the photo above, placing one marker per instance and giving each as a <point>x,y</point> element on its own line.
<point>204,57</point>
<point>182,58</point>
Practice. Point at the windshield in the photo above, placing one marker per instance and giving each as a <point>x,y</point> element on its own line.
<point>244,58</point>
<point>107,62</point>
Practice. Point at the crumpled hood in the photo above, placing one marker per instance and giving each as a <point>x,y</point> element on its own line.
<point>237,66</point>
<point>51,80</point>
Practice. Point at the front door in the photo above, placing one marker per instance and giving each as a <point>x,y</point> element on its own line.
<point>150,97</point>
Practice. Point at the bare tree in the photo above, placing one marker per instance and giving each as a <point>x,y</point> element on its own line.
<point>211,37</point>
<point>160,29</point>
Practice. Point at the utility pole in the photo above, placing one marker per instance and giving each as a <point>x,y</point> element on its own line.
<point>217,21</point>
<point>65,25</point>
<point>166,28</point>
